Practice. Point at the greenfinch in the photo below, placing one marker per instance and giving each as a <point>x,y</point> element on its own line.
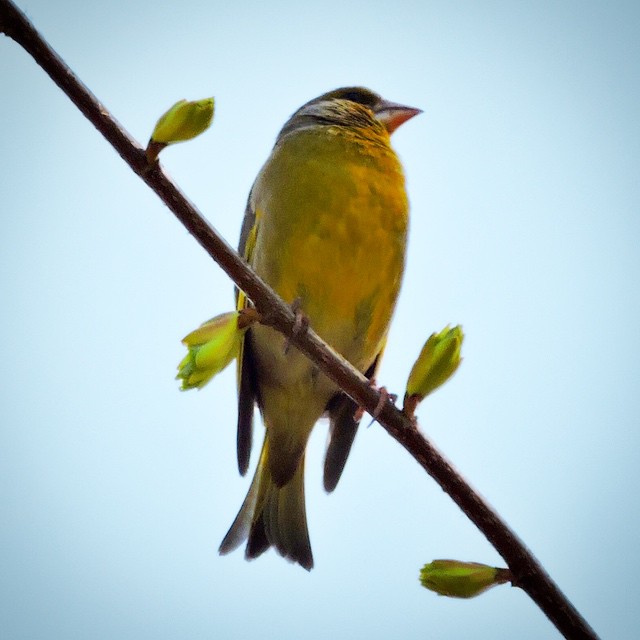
<point>326,226</point>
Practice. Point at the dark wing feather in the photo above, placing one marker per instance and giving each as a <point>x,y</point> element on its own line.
<point>342,431</point>
<point>247,397</point>
<point>248,393</point>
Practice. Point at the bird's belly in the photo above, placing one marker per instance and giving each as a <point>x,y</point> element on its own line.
<point>345,277</point>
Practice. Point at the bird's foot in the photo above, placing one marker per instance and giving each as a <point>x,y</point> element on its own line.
<point>300,324</point>
<point>385,397</point>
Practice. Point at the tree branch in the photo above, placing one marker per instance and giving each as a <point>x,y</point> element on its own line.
<point>527,571</point>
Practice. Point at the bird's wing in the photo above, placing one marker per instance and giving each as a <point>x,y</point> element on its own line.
<point>342,430</point>
<point>248,393</point>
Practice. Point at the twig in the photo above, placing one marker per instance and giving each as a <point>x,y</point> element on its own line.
<point>527,571</point>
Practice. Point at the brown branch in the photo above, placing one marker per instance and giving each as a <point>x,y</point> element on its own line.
<point>527,571</point>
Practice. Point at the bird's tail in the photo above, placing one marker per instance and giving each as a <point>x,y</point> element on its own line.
<point>272,516</point>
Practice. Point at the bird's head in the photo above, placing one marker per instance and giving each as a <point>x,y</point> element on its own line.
<point>350,107</point>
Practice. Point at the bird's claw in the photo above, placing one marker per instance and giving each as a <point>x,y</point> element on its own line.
<point>300,324</point>
<point>385,397</point>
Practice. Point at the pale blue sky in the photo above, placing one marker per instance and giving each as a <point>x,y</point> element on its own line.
<point>523,174</point>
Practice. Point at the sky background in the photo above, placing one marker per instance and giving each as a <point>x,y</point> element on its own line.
<point>523,175</point>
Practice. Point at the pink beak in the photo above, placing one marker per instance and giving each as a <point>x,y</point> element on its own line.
<point>392,114</point>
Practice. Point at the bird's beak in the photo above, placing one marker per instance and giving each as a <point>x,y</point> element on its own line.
<point>392,114</point>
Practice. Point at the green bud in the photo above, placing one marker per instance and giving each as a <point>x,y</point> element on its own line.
<point>212,346</point>
<point>437,362</point>
<point>185,120</point>
<point>457,579</point>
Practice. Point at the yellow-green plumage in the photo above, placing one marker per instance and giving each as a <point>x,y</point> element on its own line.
<point>326,227</point>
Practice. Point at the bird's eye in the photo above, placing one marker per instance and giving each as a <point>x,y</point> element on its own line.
<point>354,96</point>
<point>359,96</point>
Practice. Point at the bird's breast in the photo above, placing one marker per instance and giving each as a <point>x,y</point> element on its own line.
<point>332,223</point>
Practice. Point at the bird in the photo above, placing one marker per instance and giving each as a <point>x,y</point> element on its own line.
<point>326,227</point>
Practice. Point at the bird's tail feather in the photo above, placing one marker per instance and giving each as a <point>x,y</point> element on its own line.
<point>272,516</point>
